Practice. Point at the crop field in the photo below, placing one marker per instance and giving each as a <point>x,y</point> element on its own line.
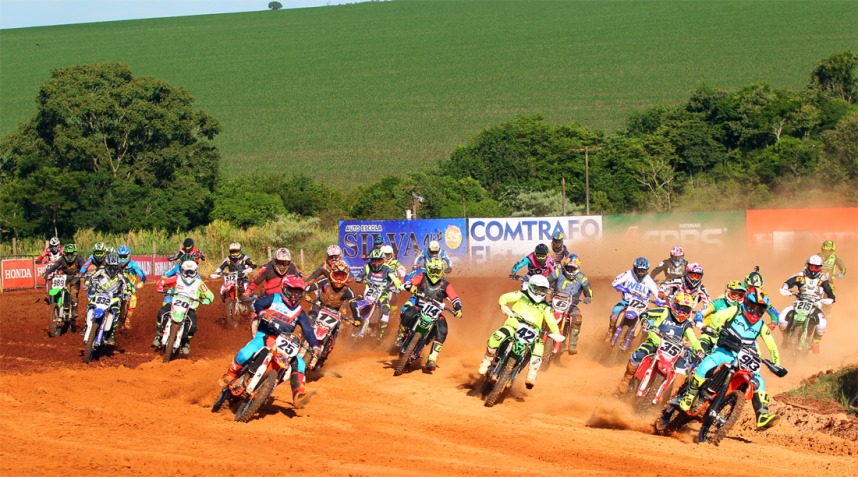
<point>353,92</point>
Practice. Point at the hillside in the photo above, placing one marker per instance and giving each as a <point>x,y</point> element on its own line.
<point>399,84</point>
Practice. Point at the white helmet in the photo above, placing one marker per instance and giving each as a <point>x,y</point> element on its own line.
<point>387,250</point>
<point>189,269</point>
<point>284,254</point>
<point>434,248</point>
<point>537,288</point>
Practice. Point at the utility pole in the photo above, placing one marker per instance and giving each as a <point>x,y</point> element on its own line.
<point>563,195</point>
<point>586,151</point>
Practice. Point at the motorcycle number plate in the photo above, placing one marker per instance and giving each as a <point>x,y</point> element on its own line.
<point>181,304</point>
<point>526,333</point>
<point>669,348</point>
<point>430,309</point>
<point>59,281</point>
<point>560,304</point>
<point>327,319</point>
<point>372,293</point>
<point>231,278</point>
<point>637,306</point>
<point>749,361</point>
<point>102,299</point>
<point>804,307</point>
<point>287,345</point>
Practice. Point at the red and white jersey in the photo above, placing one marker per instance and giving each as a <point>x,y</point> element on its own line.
<point>672,287</point>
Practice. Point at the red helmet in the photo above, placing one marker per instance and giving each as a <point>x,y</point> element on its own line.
<point>755,305</point>
<point>682,305</point>
<point>292,289</point>
<point>677,252</point>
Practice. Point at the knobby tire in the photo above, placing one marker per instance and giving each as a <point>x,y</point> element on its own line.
<point>403,361</point>
<point>548,354</point>
<point>89,346</point>
<point>645,402</point>
<point>175,329</point>
<point>263,391</point>
<point>736,402</point>
<point>500,384</point>
<point>55,326</point>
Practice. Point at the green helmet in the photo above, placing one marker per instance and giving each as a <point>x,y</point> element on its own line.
<point>376,259</point>
<point>70,249</point>
<point>754,279</point>
<point>99,250</point>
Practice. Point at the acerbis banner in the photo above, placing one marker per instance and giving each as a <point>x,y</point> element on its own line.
<point>689,229</point>
<point>407,237</point>
<point>786,230</point>
<point>508,239</point>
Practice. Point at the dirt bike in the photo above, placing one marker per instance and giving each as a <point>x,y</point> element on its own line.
<point>563,306</point>
<point>256,381</point>
<point>176,325</point>
<point>721,399</point>
<point>327,321</point>
<point>656,373</point>
<point>420,334</point>
<point>370,312</point>
<point>512,356</point>
<point>101,314</point>
<point>622,336</point>
<point>61,308</point>
<point>803,319</point>
<point>233,289</point>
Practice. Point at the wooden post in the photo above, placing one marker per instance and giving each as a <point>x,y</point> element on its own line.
<point>153,260</point>
<point>302,259</point>
<point>563,195</point>
<point>14,246</point>
<point>269,252</point>
<point>221,250</point>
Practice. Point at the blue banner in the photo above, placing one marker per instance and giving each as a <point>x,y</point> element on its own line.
<point>407,237</point>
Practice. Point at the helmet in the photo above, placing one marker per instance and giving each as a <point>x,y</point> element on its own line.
<point>640,267</point>
<point>754,279</point>
<point>188,243</point>
<point>111,249</point>
<point>557,241</point>
<point>541,253</point>
<point>435,270</point>
<point>54,244</point>
<point>735,292</point>
<point>334,253</point>
<point>282,259</point>
<point>571,266</point>
<point>70,249</point>
<point>537,288</point>
<point>292,289</point>
<point>754,305</point>
<point>111,263</point>
<point>189,269</point>
<point>434,248</point>
<point>235,250</point>
<point>813,267</point>
<point>677,253</point>
<point>188,257</point>
<point>387,251</point>
<point>682,305</point>
<point>340,274</point>
<point>99,250</point>
<point>378,241</point>
<point>376,260</point>
<point>828,245</point>
<point>124,252</point>
<point>693,275</point>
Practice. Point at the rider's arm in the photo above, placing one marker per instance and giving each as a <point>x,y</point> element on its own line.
<point>454,298</point>
<point>307,330</point>
<point>223,265</point>
<point>839,263</point>
<point>394,279</point>
<point>769,341</point>
<point>507,300</point>
<point>620,281</point>
<point>205,293</point>
<point>51,268</point>
<point>692,339</point>
<point>548,319</point>
<point>520,264</point>
<point>263,303</point>
<point>585,286</point>
<point>826,287</point>
<point>166,282</point>
<point>319,272</point>
<point>660,268</point>
<point>249,263</point>
<point>447,261</point>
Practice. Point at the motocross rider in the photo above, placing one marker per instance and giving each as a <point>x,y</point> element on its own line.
<point>755,279</point>
<point>393,264</point>
<point>334,256</point>
<point>673,267</point>
<point>430,252</point>
<point>433,285</point>
<point>334,294</point>
<point>188,247</point>
<point>672,320</point>
<point>110,279</point>
<point>99,251</point>
<point>742,324</point>
<point>830,263</point>
<point>558,249</point>
<point>274,272</point>
<point>691,283</point>
<point>274,314</point>
<point>538,263</point>
<point>528,306</point>
<point>188,283</point>
<point>569,280</point>
<point>376,272</point>
<point>238,262</point>
<point>633,283</point>
<point>52,252</point>
<point>733,295</point>
<point>70,264</point>
<point>134,277</point>
<point>809,282</point>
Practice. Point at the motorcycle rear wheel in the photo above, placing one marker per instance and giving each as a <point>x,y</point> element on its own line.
<point>405,359</point>
<point>732,405</point>
<point>500,384</point>
<point>252,404</point>
<point>548,354</point>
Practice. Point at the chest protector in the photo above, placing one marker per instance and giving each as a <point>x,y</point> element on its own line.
<point>284,319</point>
<point>438,291</point>
<point>333,298</point>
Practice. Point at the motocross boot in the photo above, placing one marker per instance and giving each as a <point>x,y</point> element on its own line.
<point>573,341</point>
<point>431,363</point>
<point>400,337</point>
<point>761,410</point>
<point>487,361</point>
<point>691,393</point>
<point>300,396</point>
<point>814,344</point>
<point>382,326</point>
<point>612,326</point>
<point>623,387</point>
<point>230,374</point>
<point>530,380</point>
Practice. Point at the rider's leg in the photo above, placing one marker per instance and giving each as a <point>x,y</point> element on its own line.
<point>535,363</point>
<point>300,396</point>
<point>761,405</point>
<point>437,343</point>
<point>820,330</point>
<point>574,332</point>
<point>385,316</point>
<point>499,336</point>
<point>637,356</point>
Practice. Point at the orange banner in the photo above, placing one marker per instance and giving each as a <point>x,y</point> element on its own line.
<point>18,274</point>
<point>795,229</point>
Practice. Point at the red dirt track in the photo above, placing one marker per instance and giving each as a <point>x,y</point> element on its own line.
<point>130,414</point>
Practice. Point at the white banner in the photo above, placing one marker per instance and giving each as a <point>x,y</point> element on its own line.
<point>509,239</point>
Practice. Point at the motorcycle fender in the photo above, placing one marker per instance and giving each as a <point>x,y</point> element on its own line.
<point>644,368</point>
<point>258,373</point>
<point>741,380</point>
<point>321,333</point>
<point>165,333</point>
<point>668,380</point>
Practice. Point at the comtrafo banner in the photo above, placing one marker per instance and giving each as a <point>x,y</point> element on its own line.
<point>695,229</point>
<point>505,240</point>
<point>407,237</point>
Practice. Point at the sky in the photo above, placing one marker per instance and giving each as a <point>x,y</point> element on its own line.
<point>28,13</point>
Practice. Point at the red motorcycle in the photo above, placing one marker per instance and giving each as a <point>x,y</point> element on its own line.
<point>233,290</point>
<point>562,304</point>
<point>721,399</point>
<point>656,373</point>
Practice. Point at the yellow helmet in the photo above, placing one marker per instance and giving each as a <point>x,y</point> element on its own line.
<point>435,270</point>
<point>828,245</point>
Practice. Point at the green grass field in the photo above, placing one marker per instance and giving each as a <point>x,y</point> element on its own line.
<point>354,92</point>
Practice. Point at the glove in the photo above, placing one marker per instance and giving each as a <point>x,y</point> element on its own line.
<point>506,310</point>
<point>661,295</point>
<point>513,276</point>
<point>358,322</point>
<point>587,300</point>
<point>839,275</point>
<point>457,313</point>
<point>784,291</point>
<point>660,303</point>
<point>698,318</point>
<point>308,298</point>
<point>307,288</point>
<point>645,326</point>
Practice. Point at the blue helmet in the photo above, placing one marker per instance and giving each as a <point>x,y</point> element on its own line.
<point>124,253</point>
<point>641,267</point>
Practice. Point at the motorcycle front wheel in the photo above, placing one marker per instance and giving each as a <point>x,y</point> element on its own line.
<point>405,358</point>
<point>252,404</point>
<point>167,353</point>
<point>500,384</point>
<point>89,348</point>
<point>55,326</point>
<point>715,427</point>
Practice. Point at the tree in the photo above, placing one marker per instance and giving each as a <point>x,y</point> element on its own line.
<point>835,76</point>
<point>275,5</point>
<point>118,152</point>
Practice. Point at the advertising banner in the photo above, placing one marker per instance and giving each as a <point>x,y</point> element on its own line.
<point>407,237</point>
<point>40,271</point>
<point>786,230</point>
<point>508,239</point>
<point>162,265</point>
<point>18,273</point>
<point>689,229</point>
